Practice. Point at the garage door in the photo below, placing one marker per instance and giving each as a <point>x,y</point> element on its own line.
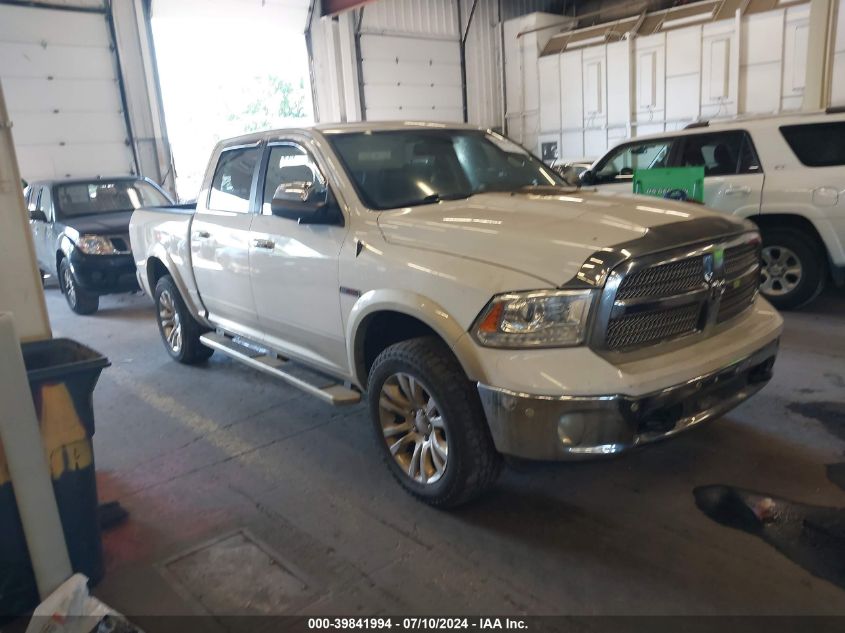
<point>411,78</point>
<point>59,76</point>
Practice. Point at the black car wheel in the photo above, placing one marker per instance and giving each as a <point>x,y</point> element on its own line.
<point>179,331</point>
<point>429,423</point>
<point>793,272</point>
<point>79,301</point>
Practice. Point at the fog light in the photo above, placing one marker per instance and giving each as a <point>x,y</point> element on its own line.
<point>570,430</point>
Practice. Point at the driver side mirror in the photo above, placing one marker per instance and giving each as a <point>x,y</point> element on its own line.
<point>588,178</point>
<point>304,202</point>
<point>37,215</point>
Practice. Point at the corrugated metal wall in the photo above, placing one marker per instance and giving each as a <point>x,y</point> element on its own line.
<point>485,105</point>
<point>434,26</point>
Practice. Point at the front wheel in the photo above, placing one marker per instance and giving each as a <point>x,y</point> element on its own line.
<point>429,423</point>
<point>793,272</point>
<point>179,331</point>
<point>77,299</point>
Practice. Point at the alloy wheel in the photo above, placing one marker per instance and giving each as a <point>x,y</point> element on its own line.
<point>782,271</point>
<point>70,289</point>
<point>414,428</point>
<point>171,324</point>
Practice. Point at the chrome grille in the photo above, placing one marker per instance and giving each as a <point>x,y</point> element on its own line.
<point>742,279</point>
<point>665,279</point>
<point>739,259</point>
<point>635,330</point>
<point>655,299</point>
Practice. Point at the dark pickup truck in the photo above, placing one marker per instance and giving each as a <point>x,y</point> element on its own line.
<point>81,233</point>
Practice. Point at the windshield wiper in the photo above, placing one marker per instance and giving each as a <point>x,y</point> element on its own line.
<point>437,197</point>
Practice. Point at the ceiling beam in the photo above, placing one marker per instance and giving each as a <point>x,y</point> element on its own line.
<point>333,7</point>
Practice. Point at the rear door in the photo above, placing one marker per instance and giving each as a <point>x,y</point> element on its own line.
<point>220,241</point>
<point>733,176</point>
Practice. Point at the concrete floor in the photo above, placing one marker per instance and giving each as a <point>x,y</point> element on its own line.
<point>197,454</point>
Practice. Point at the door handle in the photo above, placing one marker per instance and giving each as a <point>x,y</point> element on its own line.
<point>201,235</point>
<point>735,191</point>
<point>268,244</point>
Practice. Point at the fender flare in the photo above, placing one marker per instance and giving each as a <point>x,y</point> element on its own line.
<point>405,302</point>
<point>161,254</point>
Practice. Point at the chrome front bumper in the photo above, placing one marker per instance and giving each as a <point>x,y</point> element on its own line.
<point>572,427</point>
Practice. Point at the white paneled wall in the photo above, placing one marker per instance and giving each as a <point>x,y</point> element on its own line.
<point>773,60</point>
<point>523,43</point>
<point>719,69</point>
<point>595,96</point>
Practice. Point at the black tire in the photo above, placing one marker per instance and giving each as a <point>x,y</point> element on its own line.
<point>811,257</point>
<point>472,463</point>
<point>77,299</point>
<point>189,351</point>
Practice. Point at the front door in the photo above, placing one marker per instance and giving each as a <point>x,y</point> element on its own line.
<point>733,177</point>
<point>46,238</point>
<point>220,241</point>
<point>615,172</point>
<point>295,267</point>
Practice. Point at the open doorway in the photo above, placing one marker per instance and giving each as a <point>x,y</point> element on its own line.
<point>227,69</point>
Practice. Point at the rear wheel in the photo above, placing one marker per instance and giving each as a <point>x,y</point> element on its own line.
<point>79,301</point>
<point>793,270</point>
<point>429,423</point>
<point>179,331</point>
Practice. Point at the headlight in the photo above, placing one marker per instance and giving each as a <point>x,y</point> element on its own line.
<point>95,245</point>
<point>541,318</point>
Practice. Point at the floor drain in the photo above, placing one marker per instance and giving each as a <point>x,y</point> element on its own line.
<point>235,575</point>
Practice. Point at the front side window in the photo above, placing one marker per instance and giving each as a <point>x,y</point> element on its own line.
<point>44,202</point>
<point>401,168</point>
<point>817,144</point>
<point>621,163</point>
<point>720,153</point>
<point>103,196</point>
<point>287,166</point>
<point>32,198</point>
<point>232,183</point>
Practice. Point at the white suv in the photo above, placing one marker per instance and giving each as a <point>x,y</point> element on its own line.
<point>785,172</point>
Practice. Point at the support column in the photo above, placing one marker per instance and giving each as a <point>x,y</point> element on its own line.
<point>821,39</point>
<point>28,468</point>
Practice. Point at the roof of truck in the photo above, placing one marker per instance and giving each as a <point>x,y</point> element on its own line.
<point>340,128</point>
<point>78,180</point>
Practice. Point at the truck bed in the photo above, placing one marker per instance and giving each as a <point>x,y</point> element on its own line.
<point>163,233</point>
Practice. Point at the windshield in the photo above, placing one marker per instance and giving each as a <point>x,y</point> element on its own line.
<point>403,168</point>
<point>101,196</point>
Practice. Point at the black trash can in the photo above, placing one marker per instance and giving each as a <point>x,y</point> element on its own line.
<point>62,374</point>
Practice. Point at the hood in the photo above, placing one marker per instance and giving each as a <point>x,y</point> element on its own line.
<point>549,235</point>
<point>99,224</point>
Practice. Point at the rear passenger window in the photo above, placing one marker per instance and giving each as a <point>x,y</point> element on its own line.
<point>232,183</point>
<point>817,144</point>
<point>720,153</point>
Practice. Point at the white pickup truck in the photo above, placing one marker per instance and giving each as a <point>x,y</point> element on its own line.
<point>484,308</point>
